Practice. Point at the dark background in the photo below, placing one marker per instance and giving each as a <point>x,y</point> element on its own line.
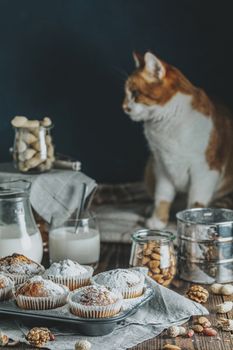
<point>69,59</point>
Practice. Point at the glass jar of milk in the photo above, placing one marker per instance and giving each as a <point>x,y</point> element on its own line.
<point>18,230</point>
<point>78,240</point>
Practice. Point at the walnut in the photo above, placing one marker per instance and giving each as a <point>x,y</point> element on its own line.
<point>39,336</point>
<point>198,293</point>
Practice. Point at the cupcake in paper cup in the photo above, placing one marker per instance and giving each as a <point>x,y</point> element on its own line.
<point>129,282</point>
<point>20,268</point>
<point>6,287</point>
<point>95,302</point>
<point>40,294</point>
<point>69,273</point>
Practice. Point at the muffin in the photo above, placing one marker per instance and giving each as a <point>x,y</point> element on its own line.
<point>69,273</point>
<point>129,282</point>
<point>95,302</point>
<point>6,286</point>
<point>19,267</point>
<point>40,294</point>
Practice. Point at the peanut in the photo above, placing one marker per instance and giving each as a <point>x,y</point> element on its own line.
<point>197,328</point>
<point>203,320</point>
<point>145,260</point>
<point>210,332</point>
<point>155,256</point>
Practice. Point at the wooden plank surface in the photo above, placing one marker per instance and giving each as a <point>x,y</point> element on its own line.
<point>117,255</point>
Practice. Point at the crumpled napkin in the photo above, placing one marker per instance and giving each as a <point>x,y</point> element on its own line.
<point>166,308</point>
<point>59,192</point>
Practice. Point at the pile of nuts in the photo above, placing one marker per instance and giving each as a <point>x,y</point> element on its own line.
<point>198,293</point>
<point>203,326</point>
<point>217,288</point>
<point>159,258</point>
<point>39,336</point>
<point>33,147</point>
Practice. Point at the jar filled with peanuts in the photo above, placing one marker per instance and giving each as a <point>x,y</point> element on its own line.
<point>33,150</point>
<point>154,249</point>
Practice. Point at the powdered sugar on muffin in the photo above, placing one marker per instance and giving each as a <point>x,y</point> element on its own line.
<point>39,294</point>
<point>18,264</point>
<point>95,295</point>
<point>95,302</point>
<point>65,268</point>
<point>69,273</point>
<point>119,278</point>
<point>128,281</point>
<point>39,287</point>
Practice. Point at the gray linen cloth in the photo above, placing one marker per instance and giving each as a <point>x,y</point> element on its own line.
<point>58,191</point>
<point>166,308</point>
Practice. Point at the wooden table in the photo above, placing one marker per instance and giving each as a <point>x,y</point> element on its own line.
<point>117,255</point>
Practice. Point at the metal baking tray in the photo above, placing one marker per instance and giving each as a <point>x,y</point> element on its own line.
<point>90,326</point>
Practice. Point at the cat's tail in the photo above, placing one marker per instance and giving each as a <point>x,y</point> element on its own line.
<point>225,202</point>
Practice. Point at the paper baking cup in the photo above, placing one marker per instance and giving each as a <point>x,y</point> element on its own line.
<point>127,293</point>
<point>87,311</point>
<point>19,279</point>
<point>42,303</point>
<point>6,293</point>
<point>73,282</point>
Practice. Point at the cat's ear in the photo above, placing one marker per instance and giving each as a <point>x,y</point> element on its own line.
<point>154,66</point>
<point>138,59</point>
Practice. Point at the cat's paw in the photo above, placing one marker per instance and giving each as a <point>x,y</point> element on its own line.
<point>155,223</point>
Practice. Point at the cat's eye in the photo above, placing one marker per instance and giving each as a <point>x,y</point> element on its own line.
<point>135,93</point>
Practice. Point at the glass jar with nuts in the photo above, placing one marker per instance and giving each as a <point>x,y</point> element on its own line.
<point>33,150</point>
<point>154,249</point>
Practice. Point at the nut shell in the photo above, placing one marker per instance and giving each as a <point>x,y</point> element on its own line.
<point>224,307</point>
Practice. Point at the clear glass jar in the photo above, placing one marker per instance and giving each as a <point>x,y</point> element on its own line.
<point>154,249</point>
<point>18,230</point>
<point>33,150</point>
<point>78,240</point>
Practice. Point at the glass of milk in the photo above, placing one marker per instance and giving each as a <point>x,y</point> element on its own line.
<point>78,240</point>
<point>18,230</point>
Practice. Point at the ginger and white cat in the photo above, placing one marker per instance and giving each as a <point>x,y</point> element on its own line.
<point>190,137</point>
